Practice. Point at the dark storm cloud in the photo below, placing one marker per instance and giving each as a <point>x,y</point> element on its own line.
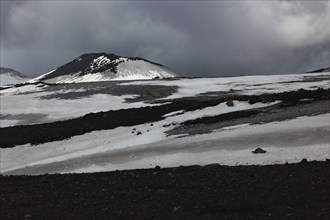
<point>193,38</point>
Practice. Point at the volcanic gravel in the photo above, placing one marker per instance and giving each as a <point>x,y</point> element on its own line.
<point>289,191</point>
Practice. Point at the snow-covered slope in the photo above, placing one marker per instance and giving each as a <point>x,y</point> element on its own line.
<point>104,67</point>
<point>18,105</point>
<point>105,126</point>
<point>10,77</point>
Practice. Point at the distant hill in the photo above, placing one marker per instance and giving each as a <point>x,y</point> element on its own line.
<point>10,77</point>
<point>327,69</point>
<point>103,67</point>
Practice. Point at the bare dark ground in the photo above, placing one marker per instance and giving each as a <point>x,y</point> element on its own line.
<point>291,191</point>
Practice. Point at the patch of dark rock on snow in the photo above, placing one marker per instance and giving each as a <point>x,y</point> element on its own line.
<point>259,151</point>
<point>290,98</point>
<point>230,103</point>
<point>295,191</point>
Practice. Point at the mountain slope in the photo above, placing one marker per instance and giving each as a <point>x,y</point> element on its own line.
<point>9,77</point>
<point>322,70</point>
<point>103,67</point>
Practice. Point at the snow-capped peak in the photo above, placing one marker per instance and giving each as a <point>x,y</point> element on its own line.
<point>104,67</point>
<point>101,61</point>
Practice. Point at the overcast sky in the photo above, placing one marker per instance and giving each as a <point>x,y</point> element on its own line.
<point>212,38</point>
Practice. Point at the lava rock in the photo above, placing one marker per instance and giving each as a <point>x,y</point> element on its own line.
<point>304,160</point>
<point>259,151</point>
<point>230,103</point>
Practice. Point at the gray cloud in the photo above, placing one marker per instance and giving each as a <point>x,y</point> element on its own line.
<point>193,38</point>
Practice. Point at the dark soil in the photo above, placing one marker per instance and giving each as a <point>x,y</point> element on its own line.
<point>291,191</point>
<point>42,133</point>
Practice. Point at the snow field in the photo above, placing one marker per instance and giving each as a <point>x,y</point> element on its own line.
<point>233,146</point>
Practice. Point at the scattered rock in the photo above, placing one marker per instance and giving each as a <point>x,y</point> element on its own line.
<point>230,103</point>
<point>259,151</point>
<point>151,124</point>
<point>138,133</point>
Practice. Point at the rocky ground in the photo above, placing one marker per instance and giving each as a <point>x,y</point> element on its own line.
<point>290,191</point>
